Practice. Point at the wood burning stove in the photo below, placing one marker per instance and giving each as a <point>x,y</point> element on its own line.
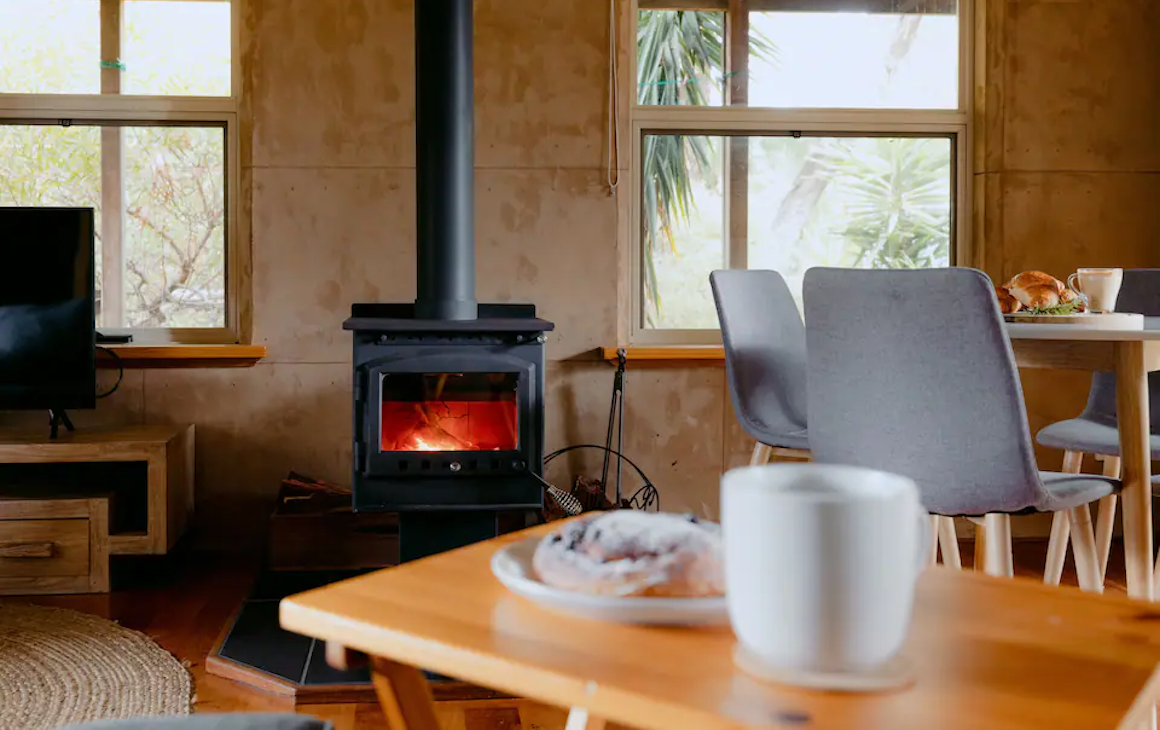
<point>448,414</point>
<point>448,393</point>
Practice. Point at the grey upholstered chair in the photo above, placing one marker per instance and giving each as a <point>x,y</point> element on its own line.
<point>765,360</point>
<point>912,372</point>
<point>1095,431</point>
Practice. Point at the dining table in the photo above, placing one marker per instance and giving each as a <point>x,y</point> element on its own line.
<point>1131,354</point>
<point>984,652</point>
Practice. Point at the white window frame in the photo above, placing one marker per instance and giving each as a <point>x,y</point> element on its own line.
<point>743,121</point>
<point>111,110</point>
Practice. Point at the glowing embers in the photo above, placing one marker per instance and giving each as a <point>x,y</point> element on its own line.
<point>450,412</point>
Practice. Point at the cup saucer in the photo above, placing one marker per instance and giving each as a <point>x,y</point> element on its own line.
<point>893,675</point>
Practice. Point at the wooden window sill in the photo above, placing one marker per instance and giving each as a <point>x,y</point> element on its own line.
<point>181,356</point>
<point>690,355</point>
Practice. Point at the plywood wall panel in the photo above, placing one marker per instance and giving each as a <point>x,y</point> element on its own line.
<point>1060,221</point>
<point>332,83</point>
<point>541,83</point>
<point>673,431</point>
<point>324,238</point>
<point>549,237</point>
<point>254,426</point>
<point>577,396</point>
<point>1083,90</point>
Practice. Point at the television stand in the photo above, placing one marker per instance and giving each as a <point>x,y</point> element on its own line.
<point>56,417</point>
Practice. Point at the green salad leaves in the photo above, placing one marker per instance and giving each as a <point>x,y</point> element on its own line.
<point>1070,308</point>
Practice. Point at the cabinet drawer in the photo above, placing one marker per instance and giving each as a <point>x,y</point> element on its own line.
<point>44,548</point>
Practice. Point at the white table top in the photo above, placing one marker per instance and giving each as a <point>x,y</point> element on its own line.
<point>1029,331</point>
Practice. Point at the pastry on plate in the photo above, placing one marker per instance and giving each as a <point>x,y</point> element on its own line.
<point>632,553</point>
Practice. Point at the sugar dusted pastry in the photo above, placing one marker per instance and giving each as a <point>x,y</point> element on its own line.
<point>632,553</point>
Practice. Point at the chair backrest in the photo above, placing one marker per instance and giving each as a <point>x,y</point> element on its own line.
<point>1140,294</point>
<point>765,351</point>
<point>912,372</point>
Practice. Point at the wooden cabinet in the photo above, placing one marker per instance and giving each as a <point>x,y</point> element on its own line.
<point>149,469</point>
<point>54,546</point>
<point>67,504</point>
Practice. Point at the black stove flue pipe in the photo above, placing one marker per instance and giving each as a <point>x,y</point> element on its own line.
<point>445,159</point>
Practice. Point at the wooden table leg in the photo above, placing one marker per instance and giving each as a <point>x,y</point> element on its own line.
<point>404,695</point>
<point>339,657</point>
<point>581,719</point>
<point>1132,410</point>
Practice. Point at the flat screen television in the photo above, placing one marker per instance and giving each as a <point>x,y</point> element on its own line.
<point>47,324</point>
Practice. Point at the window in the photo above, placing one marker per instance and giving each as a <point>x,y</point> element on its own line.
<point>787,134</point>
<point>130,107</point>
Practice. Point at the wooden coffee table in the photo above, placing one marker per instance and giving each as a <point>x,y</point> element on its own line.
<point>988,653</point>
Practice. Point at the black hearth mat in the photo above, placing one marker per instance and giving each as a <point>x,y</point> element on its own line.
<point>257,641</point>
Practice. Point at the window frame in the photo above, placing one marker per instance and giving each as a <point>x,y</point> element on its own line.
<point>744,121</point>
<point>111,110</point>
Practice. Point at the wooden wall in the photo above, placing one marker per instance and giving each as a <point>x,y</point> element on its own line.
<point>1067,176</point>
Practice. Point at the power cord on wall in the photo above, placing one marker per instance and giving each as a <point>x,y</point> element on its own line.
<point>120,371</point>
<point>613,103</point>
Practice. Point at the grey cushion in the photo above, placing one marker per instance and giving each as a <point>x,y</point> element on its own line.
<point>238,721</point>
<point>901,382</point>
<point>1089,436</point>
<point>1065,491</point>
<point>765,355</point>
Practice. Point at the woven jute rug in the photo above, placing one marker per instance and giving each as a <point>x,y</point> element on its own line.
<point>59,667</point>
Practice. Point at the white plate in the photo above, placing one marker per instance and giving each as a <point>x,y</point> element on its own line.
<point>512,565</point>
<point>1082,320</point>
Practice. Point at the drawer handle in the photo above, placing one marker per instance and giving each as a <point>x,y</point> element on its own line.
<point>26,549</point>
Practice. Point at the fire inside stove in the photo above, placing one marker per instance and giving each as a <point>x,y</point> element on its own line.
<point>450,412</point>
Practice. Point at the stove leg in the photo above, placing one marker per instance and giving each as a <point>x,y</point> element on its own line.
<point>428,533</point>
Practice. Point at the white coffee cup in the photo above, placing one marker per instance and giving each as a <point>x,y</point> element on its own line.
<point>1100,287</point>
<point>820,564</point>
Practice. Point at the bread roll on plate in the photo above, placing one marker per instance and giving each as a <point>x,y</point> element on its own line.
<point>1007,303</point>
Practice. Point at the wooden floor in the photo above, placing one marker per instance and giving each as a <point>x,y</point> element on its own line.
<point>183,602</point>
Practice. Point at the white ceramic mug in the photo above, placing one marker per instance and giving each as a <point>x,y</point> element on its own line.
<point>821,563</point>
<point>1100,287</point>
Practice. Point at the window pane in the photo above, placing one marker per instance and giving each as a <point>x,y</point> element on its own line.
<point>176,47</point>
<point>175,219</point>
<point>53,166</point>
<point>863,202</point>
<point>173,246</point>
<point>683,226</point>
<point>870,60</point>
<point>680,57</point>
<point>869,202</point>
<point>50,46</point>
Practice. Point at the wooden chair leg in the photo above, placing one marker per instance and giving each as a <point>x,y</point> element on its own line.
<point>1060,527</point>
<point>980,545</point>
<point>933,540</point>
<point>948,540</point>
<point>1083,539</point>
<point>581,719</point>
<point>1106,519</point>
<point>404,695</point>
<point>761,454</point>
<point>1057,548</point>
<point>998,558</point>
